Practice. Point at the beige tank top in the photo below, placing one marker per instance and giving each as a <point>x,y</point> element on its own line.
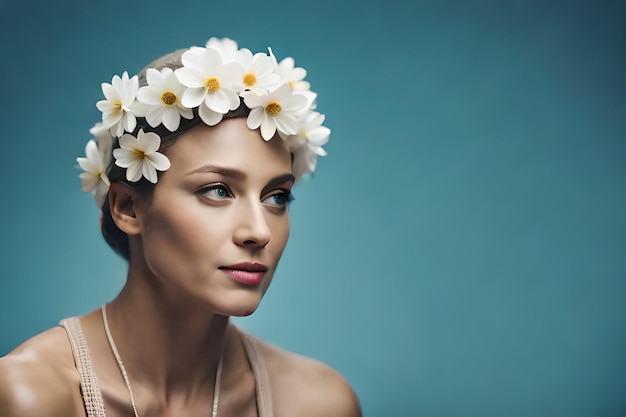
<point>92,397</point>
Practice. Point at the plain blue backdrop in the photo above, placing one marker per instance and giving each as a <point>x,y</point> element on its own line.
<point>462,249</point>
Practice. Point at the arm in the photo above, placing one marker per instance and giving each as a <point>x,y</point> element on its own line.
<point>38,379</point>
<point>305,387</point>
<point>332,396</point>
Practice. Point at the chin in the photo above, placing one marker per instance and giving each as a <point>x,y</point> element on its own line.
<point>239,306</point>
<point>244,312</point>
<point>241,311</point>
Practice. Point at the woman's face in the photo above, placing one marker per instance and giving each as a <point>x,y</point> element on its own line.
<point>217,222</point>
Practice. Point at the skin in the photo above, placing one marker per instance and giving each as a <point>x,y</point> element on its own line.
<point>200,218</point>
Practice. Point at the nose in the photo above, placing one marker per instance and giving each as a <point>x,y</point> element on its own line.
<point>252,230</point>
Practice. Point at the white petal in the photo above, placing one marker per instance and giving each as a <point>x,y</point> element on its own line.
<point>253,99</point>
<point>86,165</point>
<point>88,181</point>
<point>148,141</point>
<point>192,97</point>
<point>101,192</point>
<point>318,150</point>
<point>123,158</point>
<point>153,77</point>
<point>297,74</point>
<point>233,99</point>
<point>159,161</point>
<point>149,172</point>
<point>280,93</point>
<point>106,106</point>
<point>91,151</point>
<point>109,91</point>
<point>208,116</point>
<point>217,102</point>
<point>171,118</point>
<point>117,130</point>
<point>149,96</point>
<point>286,124</point>
<point>116,82</point>
<point>133,172</point>
<point>155,115</point>
<point>185,112</point>
<point>262,63</point>
<point>199,59</point>
<point>255,118</point>
<point>105,179</point>
<point>130,122</point>
<point>268,128</point>
<point>111,120</point>
<point>128,142</point>
<point>138,109</point>
<point>190,77</point>
<point>293,103</point>
<point>130,90</point>
<point>319,135</point>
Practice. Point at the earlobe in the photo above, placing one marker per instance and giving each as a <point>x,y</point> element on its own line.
<point>123,203</point>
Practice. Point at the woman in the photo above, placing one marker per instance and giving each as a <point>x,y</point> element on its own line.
<point>192,166</point>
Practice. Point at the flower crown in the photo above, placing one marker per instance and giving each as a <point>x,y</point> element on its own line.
<point>212,81</point>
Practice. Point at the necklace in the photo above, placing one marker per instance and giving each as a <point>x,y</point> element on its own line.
<point>120,364</point>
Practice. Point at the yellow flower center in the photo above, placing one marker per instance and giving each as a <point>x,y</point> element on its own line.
<point>138,154</point>
<point>273,107</point>
<point>212,84</point>
<point>168,99</point>
<point>249,79</point>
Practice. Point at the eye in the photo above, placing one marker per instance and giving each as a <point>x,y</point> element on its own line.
<point>215,192</point>
<point>279,199</point>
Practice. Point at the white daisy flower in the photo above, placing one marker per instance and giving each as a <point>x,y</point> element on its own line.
<point>311,132</point>
<point>258,71</point>
<point>304,161</point>
<point>227,48</point>
<point>288,71</point>
<point>117,110</point>
<point>274,110</point>
<point>104,140</point>
<point>311,100</point>
<point>211,85</point>
<point>140,157</point>
<point>306,145</point>
<point>94,178</point>
<point>162,97</point>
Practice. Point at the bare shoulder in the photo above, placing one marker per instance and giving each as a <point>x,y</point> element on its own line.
<point>39,378</point>
<point>307,387</point>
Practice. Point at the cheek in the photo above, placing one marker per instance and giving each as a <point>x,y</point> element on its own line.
<point>177,233</point>
<point>179,249</point>
<point>280,233</point>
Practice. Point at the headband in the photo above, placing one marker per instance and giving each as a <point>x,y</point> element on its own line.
<point>210,82</point>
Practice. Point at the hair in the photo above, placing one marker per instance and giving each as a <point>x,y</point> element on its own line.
<point>116,238</point>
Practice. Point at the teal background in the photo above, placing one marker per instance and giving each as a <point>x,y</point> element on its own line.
<point>462,249</point>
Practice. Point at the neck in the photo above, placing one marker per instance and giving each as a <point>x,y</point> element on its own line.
<point>167,342</point>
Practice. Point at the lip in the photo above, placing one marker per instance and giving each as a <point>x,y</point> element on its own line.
<point>249,273</point>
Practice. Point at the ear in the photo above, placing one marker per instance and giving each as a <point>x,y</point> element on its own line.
<point>123,202</point>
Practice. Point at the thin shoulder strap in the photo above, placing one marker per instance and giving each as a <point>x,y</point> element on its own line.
<point>261,377</point>
<point>94,406</point>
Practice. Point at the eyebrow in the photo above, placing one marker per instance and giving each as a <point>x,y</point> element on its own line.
<point>281,179</point>
<point>240,175</point>
<point>226,172</point>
